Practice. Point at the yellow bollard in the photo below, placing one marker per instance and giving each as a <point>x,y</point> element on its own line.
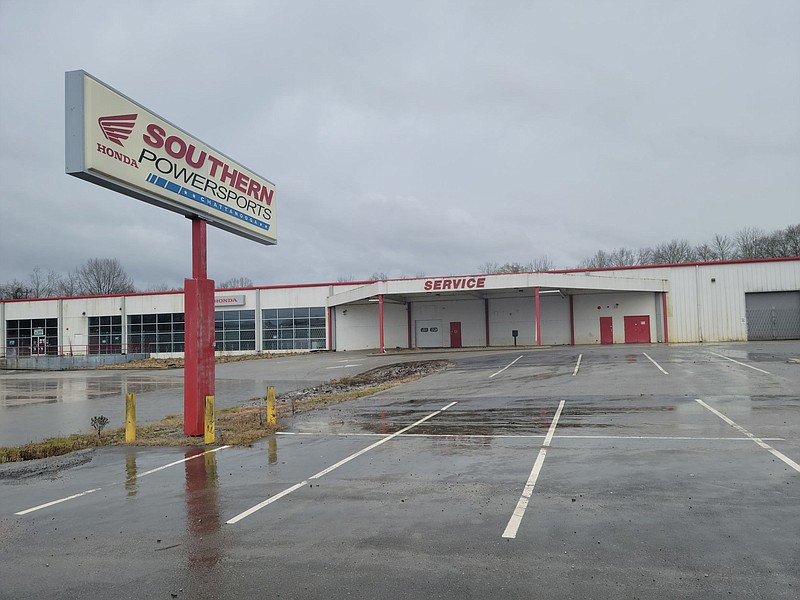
<point>272,415</point>
<point>209,430</point>
<point>130,417</point>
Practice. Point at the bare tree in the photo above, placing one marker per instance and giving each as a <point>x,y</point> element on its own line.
<point>542,263</point>
<point>236,282</point>
<point>489,268</point>
<point>705,253</point>
<point>15,290</point>
<point>163,287</point>
<point>509,267</point>
<point>346,278</point>
<point>644,256</point>
<point>791,237</point>
<point>600,260</point>
<point>103,276</point>
<point>674,252</point>
<point>44,285</point>
<point>69,285</point>
<point>378,276</point>
<point>750,243</point>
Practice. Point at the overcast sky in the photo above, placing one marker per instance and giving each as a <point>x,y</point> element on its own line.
<point>412,137</point>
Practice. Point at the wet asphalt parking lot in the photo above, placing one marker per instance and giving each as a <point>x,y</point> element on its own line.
<point>584,472</point>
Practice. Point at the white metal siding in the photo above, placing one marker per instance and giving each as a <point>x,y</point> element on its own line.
<point>588,308</point>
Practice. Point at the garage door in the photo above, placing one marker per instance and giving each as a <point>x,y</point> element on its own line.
<point>773,315</point>
<point>429,333</point>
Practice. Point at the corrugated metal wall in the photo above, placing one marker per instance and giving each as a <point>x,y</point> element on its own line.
<point>706,303</point>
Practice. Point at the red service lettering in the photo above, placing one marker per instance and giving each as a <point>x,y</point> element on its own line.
<point>459,283</point>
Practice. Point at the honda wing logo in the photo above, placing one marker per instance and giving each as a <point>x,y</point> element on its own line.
<point>117,128</point>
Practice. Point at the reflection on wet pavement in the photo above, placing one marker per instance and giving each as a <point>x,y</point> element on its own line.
<point>15,391</point>
<point>202,514</point>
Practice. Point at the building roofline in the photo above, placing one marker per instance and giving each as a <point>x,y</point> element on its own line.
<point>370,281</point>
<point>739,261</point>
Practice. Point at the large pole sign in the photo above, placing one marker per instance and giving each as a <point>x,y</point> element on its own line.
<point>116,143</point>
<point>119,144</point>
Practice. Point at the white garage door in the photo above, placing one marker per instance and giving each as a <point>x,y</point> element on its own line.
<point>429,333</point>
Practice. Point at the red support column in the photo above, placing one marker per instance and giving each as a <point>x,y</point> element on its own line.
<point>410,327</point>
<point>538,320</point>
<point>571,321</point>
<point>664,309</point>
<point>486,319</point>
<point>198,300</point>
<point>330,328</point>
<point>380,322</point>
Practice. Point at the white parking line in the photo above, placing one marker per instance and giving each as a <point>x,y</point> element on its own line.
<point>54,502</point>
<point>458,436</point>
<point>297,486</point>
<point>73,496</point>
<point>504,368</point>
<point>519,512</point>
<point>655,363</point>
<point>577,365</point>
<point>757,440</point>
<point>741,363</point>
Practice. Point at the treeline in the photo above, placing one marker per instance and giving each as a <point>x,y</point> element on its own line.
<point>748,243</point>
<point>96,277</point>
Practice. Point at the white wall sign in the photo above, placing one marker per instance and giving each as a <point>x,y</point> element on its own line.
<point>237,300</point>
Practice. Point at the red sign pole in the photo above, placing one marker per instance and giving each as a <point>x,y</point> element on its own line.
<point>198,372</point>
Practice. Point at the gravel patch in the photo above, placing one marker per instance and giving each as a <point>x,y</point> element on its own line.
<point>44,467</point>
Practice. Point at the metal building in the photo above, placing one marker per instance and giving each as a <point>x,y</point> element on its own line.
<point>699,302</point>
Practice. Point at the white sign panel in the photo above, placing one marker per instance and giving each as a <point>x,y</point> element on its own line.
<point>115,142</point>
<point>237,300</point>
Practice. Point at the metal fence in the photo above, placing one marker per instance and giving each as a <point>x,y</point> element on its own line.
<point>773,324</point>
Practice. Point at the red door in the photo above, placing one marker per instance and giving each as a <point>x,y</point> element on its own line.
<point>606,330</point>
<point>455,334</point>
<point>637,330</point>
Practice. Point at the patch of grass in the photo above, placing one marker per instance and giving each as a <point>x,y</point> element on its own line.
<point>47,448</point>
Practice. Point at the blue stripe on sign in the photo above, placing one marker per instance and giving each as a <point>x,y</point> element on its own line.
<point>210,202</point>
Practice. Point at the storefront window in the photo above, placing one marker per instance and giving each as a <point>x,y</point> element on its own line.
<point>294,328</point>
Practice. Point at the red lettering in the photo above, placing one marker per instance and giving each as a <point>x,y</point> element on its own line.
<point>428,285</point>
<point>437,285</point>
<point>471,283</point>
<point>229,174</point>
<point>481,282</point>
<point>266,195</point>
<point>115,154</point>
<point>215,162</point>
<point>156,137</point>
<point>199,161</point>
<point>458,284</point>
<point>241,182</point>
<point>446,284</point>
<point>169,147</point>
<point>254,188</point>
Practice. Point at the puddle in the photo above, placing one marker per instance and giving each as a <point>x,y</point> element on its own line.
<point>23,392</point>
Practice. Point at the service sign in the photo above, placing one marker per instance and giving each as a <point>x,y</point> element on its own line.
<point>115,142</point>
